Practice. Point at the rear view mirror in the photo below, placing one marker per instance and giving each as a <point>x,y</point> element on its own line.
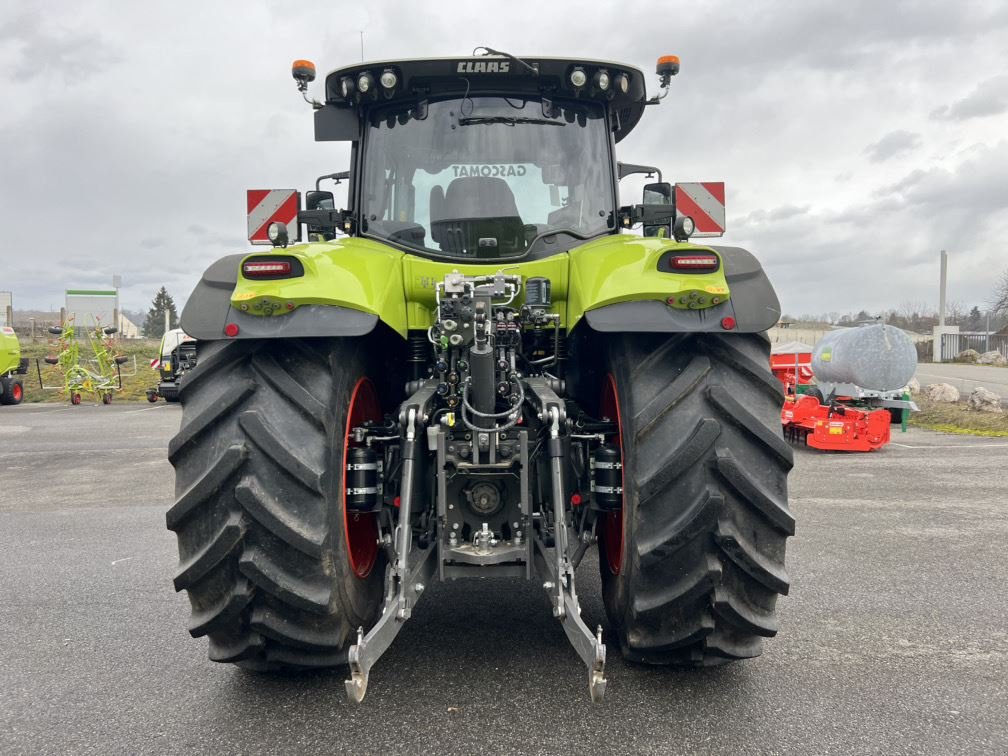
<point>659,193</point>
<point>319,200</point>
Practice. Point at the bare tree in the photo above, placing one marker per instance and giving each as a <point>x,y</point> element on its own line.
<point>999,301</point>
<point>955,313</point>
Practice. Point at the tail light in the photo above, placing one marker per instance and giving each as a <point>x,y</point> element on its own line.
<point>261,269</point>
<point>702,262</point>
<point>272,267</point>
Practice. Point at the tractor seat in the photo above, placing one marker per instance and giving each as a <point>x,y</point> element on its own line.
<point>476,216</point>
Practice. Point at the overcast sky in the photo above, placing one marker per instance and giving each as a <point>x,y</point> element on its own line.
<point>857,139</point>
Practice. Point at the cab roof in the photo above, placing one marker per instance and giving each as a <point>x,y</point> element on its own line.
<point>428,78</point>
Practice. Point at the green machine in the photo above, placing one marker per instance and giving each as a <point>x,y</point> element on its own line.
<point>475,369</point>
<point>12,367</point>
<point>99,375</point>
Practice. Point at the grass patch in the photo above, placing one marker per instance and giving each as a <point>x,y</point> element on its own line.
<point>958,418</point>
<point>134,386</point>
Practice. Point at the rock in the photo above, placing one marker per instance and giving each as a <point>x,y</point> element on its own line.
<point>914,386</point>
<point>968,355</point>
<point>984,400</point>
<point>941,392</point>
<point>993,357</point>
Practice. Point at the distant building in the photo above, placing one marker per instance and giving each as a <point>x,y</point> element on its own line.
<point>89,307</point>
<point>128,328</point>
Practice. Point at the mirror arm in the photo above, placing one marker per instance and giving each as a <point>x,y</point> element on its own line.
<point>649,215</point>
<point>629,169</point>
<point>337,177</point>
<point>335,220</point>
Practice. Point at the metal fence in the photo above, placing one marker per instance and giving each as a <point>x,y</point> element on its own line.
<point>954,343</point>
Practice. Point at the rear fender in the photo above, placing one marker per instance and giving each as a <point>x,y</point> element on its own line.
<point>346,288</point>
<point>616,285</point>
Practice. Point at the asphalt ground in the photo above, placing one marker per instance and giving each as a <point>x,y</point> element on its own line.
<point>894,638</point>
<point>965,377</point>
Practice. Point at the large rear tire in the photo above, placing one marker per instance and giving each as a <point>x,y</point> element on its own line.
<point>259,513</point>
<point>692,566</point>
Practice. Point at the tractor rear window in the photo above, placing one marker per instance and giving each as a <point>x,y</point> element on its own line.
<point>486,177</point>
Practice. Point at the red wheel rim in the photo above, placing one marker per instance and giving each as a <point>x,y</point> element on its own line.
<point>611,524</point>
<point>361,528</point>
<point>17,392</point>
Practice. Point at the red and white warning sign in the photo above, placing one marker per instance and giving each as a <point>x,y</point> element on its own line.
<point>268,205</point>
<point>703,201</point>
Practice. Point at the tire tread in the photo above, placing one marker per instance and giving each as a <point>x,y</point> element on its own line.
<point>705,472</point>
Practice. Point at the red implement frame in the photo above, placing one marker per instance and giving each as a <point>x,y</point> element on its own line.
<point>833,427</point>
<point>792,369</point>
<point>836,427</point>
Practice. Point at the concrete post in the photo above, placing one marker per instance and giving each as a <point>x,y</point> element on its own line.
<point>937,334</point>
<point>943,281</point>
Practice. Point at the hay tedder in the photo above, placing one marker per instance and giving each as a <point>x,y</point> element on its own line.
<point>845,393</point>
<point>474,371</point>
<point>100,375</point>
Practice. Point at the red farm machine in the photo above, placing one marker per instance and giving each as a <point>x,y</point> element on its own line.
<point>846,392</point>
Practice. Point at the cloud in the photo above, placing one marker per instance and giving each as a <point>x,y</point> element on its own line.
<point>978,186</point>
<point>988,99</point>
<point>775,215</point>
<point>44,48</point>
<point>886,249</point>
<point>132,132</point>
<point>892,144</point>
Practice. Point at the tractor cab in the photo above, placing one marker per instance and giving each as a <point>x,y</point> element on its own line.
<point>485,158</point>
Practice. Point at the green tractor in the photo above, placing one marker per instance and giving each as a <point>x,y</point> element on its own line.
<point>475,371</point>
<point>12,367</point>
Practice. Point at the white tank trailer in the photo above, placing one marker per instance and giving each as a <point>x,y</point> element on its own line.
<point>876,357</point>
<point>872,363</point>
